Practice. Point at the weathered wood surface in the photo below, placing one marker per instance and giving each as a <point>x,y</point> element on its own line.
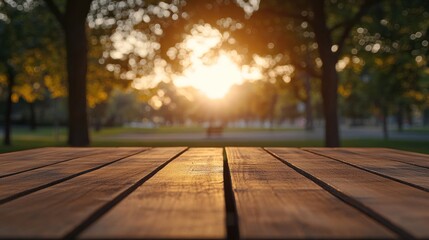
<point>16,162</point>
<point>205,193</point>
<point>407,173</point>
<point>274,201</point>
<point>183,200</point>
<point>417,159</point>
<point>58,210</point>
<point>404,208</point>
<point>20,184</point>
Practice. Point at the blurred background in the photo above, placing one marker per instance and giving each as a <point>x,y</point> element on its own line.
<point>214,73</point>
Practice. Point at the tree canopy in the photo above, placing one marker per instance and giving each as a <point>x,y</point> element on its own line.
<point>282,60</point>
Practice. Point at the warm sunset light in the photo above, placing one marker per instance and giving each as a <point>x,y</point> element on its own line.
<point>213,80</point>
<point>216,117</point>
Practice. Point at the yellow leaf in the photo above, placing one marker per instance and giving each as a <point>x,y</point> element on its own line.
<point>15,97</point>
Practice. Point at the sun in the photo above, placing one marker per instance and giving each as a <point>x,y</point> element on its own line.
<point>213,80</point>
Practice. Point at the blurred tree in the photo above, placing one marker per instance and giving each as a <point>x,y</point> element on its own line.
<point>392,44</point>
<point>89,84</point>
<point>100,82</point>
<point>307,29</point>
<point>124,107</point>
<point>354,97</point>
<point>326,26</point>
<point>19,46</point>
<point>73,23</point>
<point>8,43</point>
<point>29,80</point>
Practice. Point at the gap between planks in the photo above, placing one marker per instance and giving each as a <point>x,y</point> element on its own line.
<point>14,187</point>
<point>408,174</point>
<point>400,207</point>
<point>276,201</point>
<point>17,164</point>
<point>188,192</point>
<point>412,158</point>
<point>58,211</point>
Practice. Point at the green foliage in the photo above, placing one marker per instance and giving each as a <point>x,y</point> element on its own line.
<point>30,45</point>
<point>391,47</point>
<point>381,56</point>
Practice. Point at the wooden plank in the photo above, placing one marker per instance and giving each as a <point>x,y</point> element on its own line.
<point>27,182</point>
<point>30,154</point>
<point>274,201</point>
<point>401,207</point>
<point>417,159</point>
<point>57,211</point>
<point>18,162</point>
<point>403,172</point>
<point>18,154</point>
<point>184,200</point>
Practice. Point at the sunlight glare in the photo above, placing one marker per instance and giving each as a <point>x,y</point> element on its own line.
<point>213,80</point>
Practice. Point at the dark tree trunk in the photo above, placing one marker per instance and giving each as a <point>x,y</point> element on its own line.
<point>56,120</point>
<point>385,113</point>
<point>330,106</point>
<point>329,75</point>
<point>409,115</point>
<point>400,117</point>
<point>273,104</point>
<point>309,125</point>
<point>33,122</point>
<point>425,117</point>
<point>76,48</point>
<point>97,114</point>
<point>8,109</point>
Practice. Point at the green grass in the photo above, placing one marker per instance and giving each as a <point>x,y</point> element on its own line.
<point>415,146</point>
<point>43,137</point>
<point>164,130</point>
<point>420,130</point>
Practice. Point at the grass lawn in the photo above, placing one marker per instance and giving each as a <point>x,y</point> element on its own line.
<point>164,130</point>
<point>420,130</point>
<point>43,137</point>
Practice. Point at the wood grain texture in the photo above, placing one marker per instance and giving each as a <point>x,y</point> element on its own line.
<point>418,159</point>
<point>404,206</point>
<point>22,153</point>
<point>35,179</point>
<point>56,211</point>
<point>16,162</point>
<point>183,200</point>
<point>412,174</point>
<point>274,201</point>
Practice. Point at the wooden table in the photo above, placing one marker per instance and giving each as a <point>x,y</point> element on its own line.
<point>214,193</point>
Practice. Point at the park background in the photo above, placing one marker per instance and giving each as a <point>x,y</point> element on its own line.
<point>159,73</point>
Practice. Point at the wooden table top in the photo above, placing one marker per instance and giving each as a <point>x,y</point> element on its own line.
<point>214,193</point>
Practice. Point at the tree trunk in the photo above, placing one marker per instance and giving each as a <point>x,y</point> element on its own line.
<point>97,114</point>
<point>329,75</point>
<point>33,124</point>
<point>400,118</point>
<point>425,117</point>
<point>272,110</point>
<point>330,106</point>
<point>385,123</point>
<point>409,115</point>
<point>56,120</point>
<point>309,125</point>
<point>76,48</point>
<point>8,109</point>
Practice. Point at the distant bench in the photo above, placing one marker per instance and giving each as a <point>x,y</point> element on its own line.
<point>214,131</point>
